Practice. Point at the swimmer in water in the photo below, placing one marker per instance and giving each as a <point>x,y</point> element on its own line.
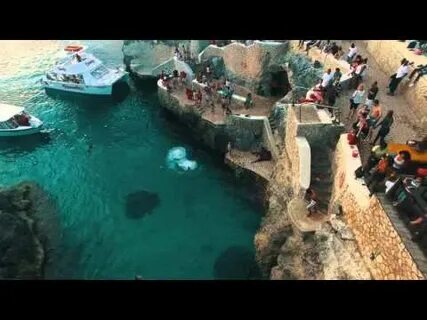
<point>89,149</point>
<point>138,277</point>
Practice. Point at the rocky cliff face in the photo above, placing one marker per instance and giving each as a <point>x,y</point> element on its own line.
<point>283,252</point>
<point>142,56</point>
<point>24,232</point>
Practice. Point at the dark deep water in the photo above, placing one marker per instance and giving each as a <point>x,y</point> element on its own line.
<point>101,159</point>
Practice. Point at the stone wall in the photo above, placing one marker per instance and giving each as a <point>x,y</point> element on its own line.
<point>388,54</point>
<point>380,245</point>
<point>173,64</point>
<point>298,152</point>
<point>212,135</point>
<point>268,139</point>
<point>320,134</point>
<point>141,56</point>
<point>248,65</point>
<point>246,133</point>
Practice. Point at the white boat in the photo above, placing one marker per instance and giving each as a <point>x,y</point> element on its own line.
<point>14,121</point>
<point>82,72</point>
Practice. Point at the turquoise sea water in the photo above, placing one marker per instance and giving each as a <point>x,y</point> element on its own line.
<point>97,153</point>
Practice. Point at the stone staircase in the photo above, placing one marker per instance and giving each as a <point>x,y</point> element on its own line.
<point>272,123</point>
<point>321,176</point>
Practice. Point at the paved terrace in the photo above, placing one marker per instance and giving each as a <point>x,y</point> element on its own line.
<point>262,105</point>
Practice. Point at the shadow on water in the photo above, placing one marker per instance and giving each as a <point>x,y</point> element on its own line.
<point>24,144</point>
<point>236,262</point>
<point>140,203</point>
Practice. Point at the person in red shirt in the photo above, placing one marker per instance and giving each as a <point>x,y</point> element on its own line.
<point>352,138</point>
<point>199,97</point>
<point>189,94</point>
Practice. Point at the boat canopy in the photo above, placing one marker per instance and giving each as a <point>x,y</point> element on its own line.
<point>7,111</point>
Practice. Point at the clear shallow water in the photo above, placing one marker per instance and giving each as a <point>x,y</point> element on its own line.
<point>97,153</point>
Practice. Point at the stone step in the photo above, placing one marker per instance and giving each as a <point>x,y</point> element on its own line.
<point>322,183</point>
<point>321,168</point>
<point>317,157</point>
<point>323,195</point>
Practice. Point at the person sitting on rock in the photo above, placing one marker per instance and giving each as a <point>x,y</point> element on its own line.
<point>378,175</point>
<point>401,161</point>
<point>312,197</point>
<point>421,70</point>
<point>263,155</point>
<point>420,146</point>
<point>409,185</point>
<point>376,153</point>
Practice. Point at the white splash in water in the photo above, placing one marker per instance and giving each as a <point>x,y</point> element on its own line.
<point>177,160</point>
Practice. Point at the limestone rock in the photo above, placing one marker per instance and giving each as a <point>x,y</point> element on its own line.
<point>341,228</point>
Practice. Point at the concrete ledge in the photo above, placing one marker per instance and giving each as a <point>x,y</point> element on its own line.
<point>304,152</point>
<point>173,64</point>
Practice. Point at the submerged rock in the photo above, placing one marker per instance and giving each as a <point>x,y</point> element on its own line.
<point>236,262</point>
<point>24,235</point>
<point>141,203</point>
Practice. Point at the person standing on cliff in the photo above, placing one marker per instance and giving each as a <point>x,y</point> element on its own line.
<point>352,51</point>
<point>327,78</point>
<point>230,92</point>
<point>372,93</point>
<point>360,72</point>
<point>421,70</point>
<point>355,100</point>
<point>249,102</point>
<point>384,125</point>
<point>396,78</point>
<point>373,118</point>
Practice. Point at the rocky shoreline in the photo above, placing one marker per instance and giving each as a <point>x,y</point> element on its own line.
<point>27,231</point>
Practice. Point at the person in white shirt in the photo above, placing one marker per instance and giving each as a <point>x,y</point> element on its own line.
<point>360,72</point>
<point>352,51</point>
<point>355,100</point>
<point>398,77</point>
<point>327,78</point>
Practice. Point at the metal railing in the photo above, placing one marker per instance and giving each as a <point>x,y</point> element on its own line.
<point>335,111</point>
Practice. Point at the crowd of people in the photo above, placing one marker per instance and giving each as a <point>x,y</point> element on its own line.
<point>404,181</point>
<point>213,90</point>
<point>365,115</point>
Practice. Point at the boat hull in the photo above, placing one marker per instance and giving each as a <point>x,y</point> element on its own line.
<point>82,89</point>
<point>79,89</point>
<point>20,132</point>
